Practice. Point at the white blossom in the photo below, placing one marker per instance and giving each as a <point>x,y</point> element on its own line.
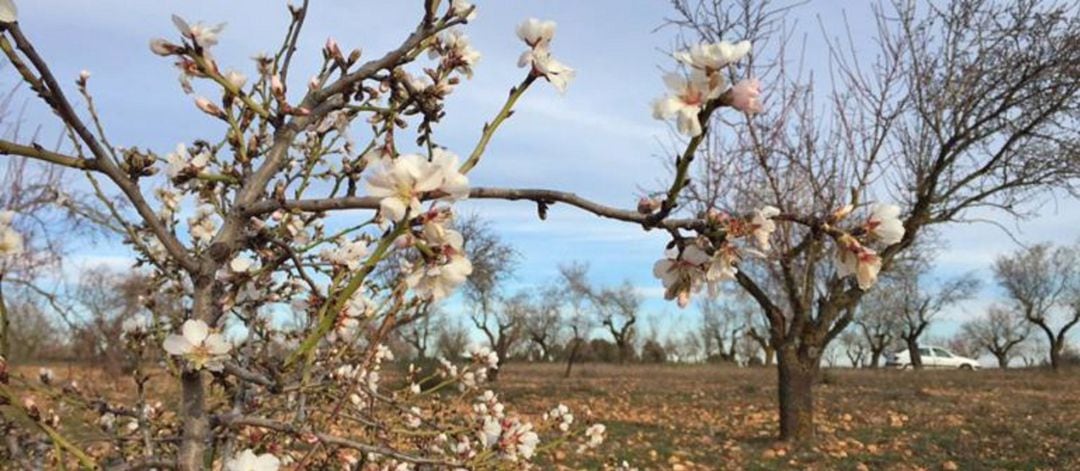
<point>241,264</point>
<point>713,57</point>
<point>763,226</point>
<point>203,35</point>
<point>455,47</point>
<point>8,12</point>
<point>247,460</point>
<point>200,347</point>
<point>682,274</point>
<point>181,162</point>
<point>885,224</point>
<point>537,35</point>
<point>400,182</point>
<point>595,434</point>
<point>687,95</point>
<point>202,226</point>
<point>463,8</point>
<point>348,253</point>
<point>436,279</point>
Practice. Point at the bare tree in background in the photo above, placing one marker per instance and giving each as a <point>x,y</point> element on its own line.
<point>616,309</point>
<point>917,306</point>
<point>421,332</point>
<point>721,327</point>
<point>965,105</point>
<point>451,339</point>
<point>855,347</point>
<point>878,324</point>
<point>1043,282</point>
<point>544,322</point>
<point>578,319</point>
<point>999,331</point>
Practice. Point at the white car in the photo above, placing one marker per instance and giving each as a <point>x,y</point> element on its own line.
<point>933,357</point>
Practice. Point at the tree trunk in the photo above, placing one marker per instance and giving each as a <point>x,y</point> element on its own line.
<point>875,358</point>
<point>1002,359</point>
<point>573,357</point>
<point>1056,348</point>
<point>770,354</point>
<point>5,326</point>
<point>913,353</point>
<point>196,424</point>
<point>796,381</point>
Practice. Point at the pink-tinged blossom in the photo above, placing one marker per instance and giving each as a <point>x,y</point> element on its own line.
<point>713,57</point>
<point>682,274</point>
<point>687,95</point>
<point>197,345</point>
<point>163,47</point>
<point>745,96</point>
<point>457,51</point>
<point>209,108</point>
<point>247,460</point>
<point>400,182</point>
<point>538,35</point>
<point>885,224</point>
<point>721,268</point>
<point>855,259</point>
<point>763,226</point>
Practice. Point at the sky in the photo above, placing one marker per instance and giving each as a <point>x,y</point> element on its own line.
<point>598,139</point>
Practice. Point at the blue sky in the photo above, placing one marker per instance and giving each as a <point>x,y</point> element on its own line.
<point>598,139</point>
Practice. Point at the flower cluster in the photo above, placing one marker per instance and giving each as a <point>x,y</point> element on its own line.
<point>537,35</point>
<point>689,93</point>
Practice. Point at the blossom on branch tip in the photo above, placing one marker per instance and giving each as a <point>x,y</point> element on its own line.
<point>713,57</point>
<point>745,96</point>
<point>884,223</point>
<point>200,347</point>
<point>457,52</point>
<point>682,273</point>
<point>538,35</point>
<point>249,461</point>
<point>202,35</point>
<point>400,182</point>
<point>463,9</point>
<point>687,96</point>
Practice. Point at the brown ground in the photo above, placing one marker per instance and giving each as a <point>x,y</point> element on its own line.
<point>715,417</point>
<point>711,417</point>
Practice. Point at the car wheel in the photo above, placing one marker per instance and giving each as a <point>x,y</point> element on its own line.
<point>966,367</point>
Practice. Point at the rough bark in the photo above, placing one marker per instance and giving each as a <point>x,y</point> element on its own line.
<point>796,374</point>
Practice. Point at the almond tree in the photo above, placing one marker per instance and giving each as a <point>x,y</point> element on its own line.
<point>961,106</point>
<point>879,326</point>
<point>917,306</point>
<point>1043,282</point>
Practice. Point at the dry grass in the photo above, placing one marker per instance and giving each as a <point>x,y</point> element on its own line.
<point>710,417</point>
<point>714,417</point>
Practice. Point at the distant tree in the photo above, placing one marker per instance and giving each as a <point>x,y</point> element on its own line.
<point>653,352</point>
<point>544,321</point>
<point>721,326</point>
<point>617,309</point>
<point>420,332</point>
<point>918,306</point>
<point>999,330</point>
<point>501,320</point>
<point>1043,282</point>
<point>577,319</point>
<point>878,324</point>
<point>855,347</point>
<point>451,340</point>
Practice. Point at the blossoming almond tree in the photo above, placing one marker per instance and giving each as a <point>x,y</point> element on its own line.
<point>289,159</point>
<point>967,112</point>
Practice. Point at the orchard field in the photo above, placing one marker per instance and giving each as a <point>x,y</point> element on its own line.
<point>709,417</point>
<point>715,417</point>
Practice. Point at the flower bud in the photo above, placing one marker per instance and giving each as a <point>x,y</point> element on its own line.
<point>842,213</point>
<point>163,48</point>
<point>209,108</point>
<point>648,205</point>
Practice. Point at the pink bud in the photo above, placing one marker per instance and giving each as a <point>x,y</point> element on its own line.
<point>745,96</point>
<point>332,49</point>
<point>209,108</point>
<point>647,205</point>
<point>314,83</point>
<point>162,47</point>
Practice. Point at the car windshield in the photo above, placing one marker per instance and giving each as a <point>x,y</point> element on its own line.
<point>925,352</point>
